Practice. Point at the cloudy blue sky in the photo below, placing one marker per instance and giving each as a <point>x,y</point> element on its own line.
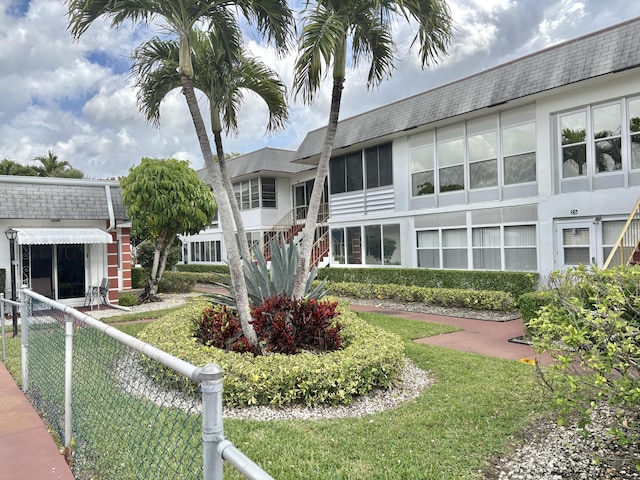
<point>76,98</point>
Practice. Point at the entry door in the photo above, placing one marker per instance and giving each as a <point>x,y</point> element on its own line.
<point>57,271</point>
<point>577,244</point>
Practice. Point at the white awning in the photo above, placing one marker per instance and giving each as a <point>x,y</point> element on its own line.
<point>60,236</point>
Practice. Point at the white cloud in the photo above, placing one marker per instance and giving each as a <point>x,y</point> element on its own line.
<point>74,97</point>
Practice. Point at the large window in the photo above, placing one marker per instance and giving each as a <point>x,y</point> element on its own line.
<point>496,150</point>
<point>348,172</point>
<point>256,193</point>
<point>607,130</point>
<point>573,131</point>
<point>520,248</point>
<point>482,146</point>
<point>428,249</point>
<point>450,158</point>
<point>208,251</point>
<point>454,249</point>
<point>380,244</point>
<point>379,166</point>
<point>421,155</point>
<point>486,248</point>
<point>519,146</point>
<point>595,140</point>
<point>511,247</point>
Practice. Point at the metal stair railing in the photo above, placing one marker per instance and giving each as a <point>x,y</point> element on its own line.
<point>628,241</point>
<point>292,224</point>
<point>320,248</point>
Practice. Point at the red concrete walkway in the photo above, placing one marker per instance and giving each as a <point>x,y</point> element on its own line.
<point>27,451</point>
<point>478,336</point>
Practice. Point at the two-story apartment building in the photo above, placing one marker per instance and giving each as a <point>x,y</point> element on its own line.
<point>533,165</point>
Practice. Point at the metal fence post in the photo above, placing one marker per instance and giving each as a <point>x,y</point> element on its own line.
<point>4,350</point>
<point>68,368</point>
<point>24,328</point>
<point>212,428</point>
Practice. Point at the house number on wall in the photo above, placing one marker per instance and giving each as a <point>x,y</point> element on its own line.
<point>574,212</point>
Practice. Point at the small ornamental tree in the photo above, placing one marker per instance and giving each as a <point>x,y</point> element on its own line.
<point>590,326</point>
<point>165,198</point>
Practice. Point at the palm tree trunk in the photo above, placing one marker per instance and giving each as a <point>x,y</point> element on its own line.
<point>235,210</point>
<point>224,212</point>
<point>311,222</point>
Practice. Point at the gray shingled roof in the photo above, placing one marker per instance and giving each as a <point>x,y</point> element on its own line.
<point>266,159</point>
<point>64,199</point>
<point>607,51</point>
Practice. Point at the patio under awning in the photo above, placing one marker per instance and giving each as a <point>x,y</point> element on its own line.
<point>61,236</point>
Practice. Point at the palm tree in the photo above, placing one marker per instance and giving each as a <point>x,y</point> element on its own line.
<point>222,70</point>
<point>272,18</point>
<point>53,167</point>
<point>330,27</point>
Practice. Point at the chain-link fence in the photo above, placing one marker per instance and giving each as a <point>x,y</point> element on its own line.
<point>95,387</point>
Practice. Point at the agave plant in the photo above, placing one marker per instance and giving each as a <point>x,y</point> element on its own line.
<point>267,281</point>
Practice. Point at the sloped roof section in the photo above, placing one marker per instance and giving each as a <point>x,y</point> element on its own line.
<point>272,160</point>
<point>607,51</point>
<point>58,198</point>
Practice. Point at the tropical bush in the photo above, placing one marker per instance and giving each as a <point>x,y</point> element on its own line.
<point>219,327</point>
<point>287,325</point>
<point>591,328</point>
<point>369,358</point>
<point>267,281</point>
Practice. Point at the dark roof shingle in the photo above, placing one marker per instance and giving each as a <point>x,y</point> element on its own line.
<point>607,51</point>
<point>64,199</point>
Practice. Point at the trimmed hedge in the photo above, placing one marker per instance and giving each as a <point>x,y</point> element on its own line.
<point>370,358</point>
<point>176,282</point>
<point>531,303</point>
<point>202,268</point>
<point>445,297</point>
<point>515,283</point>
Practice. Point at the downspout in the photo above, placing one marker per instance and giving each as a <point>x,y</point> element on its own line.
<point>112,217</point>
<point>110,228</point>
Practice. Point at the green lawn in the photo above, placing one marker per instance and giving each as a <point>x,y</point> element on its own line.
<point>475,407</point>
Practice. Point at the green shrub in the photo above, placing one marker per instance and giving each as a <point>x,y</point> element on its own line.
<point>445,297</point>
<point>175,282</point>
<point>128,299</point>
<point>203,268</point>
<point>515,283</point>
<point>139,277</point>
<point>591,330</point>
<point>531,303</point>
<point>369,358</point>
